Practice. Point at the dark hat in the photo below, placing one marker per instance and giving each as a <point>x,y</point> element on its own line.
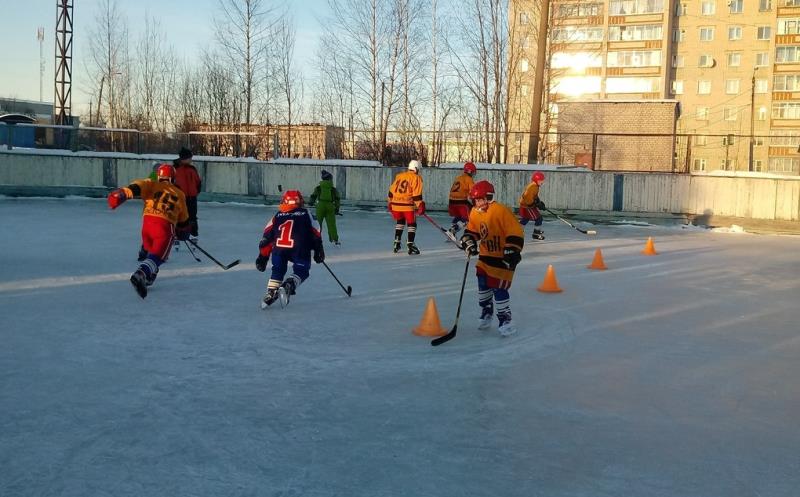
<point>185,153</point>
<point>326,175</point>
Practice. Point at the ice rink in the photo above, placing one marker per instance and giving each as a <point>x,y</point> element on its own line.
<point>670,375</point>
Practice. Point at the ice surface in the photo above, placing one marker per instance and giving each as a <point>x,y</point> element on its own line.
<point>671,375</point>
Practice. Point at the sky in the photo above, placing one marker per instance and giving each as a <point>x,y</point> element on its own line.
<point>663,376</point>
<point>188,23</point>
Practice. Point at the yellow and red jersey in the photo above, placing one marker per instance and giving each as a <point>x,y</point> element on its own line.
<point>459,191</point>
<point>529,195</point>
<point>161,199</point>
<point>496,228</point>
<point>405,194</point>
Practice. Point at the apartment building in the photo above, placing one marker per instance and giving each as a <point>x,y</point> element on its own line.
<point>733,66</point>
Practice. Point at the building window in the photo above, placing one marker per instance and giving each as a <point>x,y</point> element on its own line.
<point>788,25</point>
<point>758,141</point>
<point>762,86</point>
<point>707,33</point>
<point>678,35</point>
<point>635,33</point>
<point>734,59</point>
<point>701,140</point>
<point>523,90</point>
<point>577,34</point>
<point>784,139</point>
<point>786,82</point>
<point>680,9</point>
<point>579,10</point>
<point>734,32</point>
<point>702,114</point>
<point>728,164</point>
<point>728,140</point>
<point>763,112</point>
<point>764,33</point>
<point>732,86</point>
<point>729,113</point>
<point>764,5</point>
<point>736,6</point>
<point>635,58</point>
<point>523,65</point>
<point>703,87</point>
<point>784,165</point>
<point>577,61</point>
<point>629,7</point>
<point>708,7</point>
<point>787,54</point>
<point>677,61</point>
<point>677,87</point>
<point>525,42</point>
<point>762,59</point>
<point>758,165</point>
<point>523,18</point>
<point>705,61</point>
<point>699,164</point>
<point>786,110</point>
<point>632,85</point>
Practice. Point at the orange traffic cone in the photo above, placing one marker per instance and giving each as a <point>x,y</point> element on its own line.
<point>597,262</point>
<point>649,247</point>
<point>549,285</point>
<point>429,325</point>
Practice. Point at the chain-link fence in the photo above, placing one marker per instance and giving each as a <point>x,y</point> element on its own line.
<point>777,153</point>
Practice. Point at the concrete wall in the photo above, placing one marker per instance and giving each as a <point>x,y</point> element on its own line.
<point>601,192</point>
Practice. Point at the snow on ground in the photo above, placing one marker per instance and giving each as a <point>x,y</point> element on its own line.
<point>669,375</point>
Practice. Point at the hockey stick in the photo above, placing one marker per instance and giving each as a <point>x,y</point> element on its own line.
<point>585,232</point>
<point>191,251</point>
<point>446,233</point>
<point>223,266</point>
<point>347,290</point>
<point>452,334</point>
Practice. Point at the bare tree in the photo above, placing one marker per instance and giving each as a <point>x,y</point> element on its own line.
<point>242,33</point>
<point>155,62</point>
<point>290,79</point>
<point>109,64</point>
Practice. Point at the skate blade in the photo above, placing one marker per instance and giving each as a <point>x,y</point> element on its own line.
<point>283,296</point>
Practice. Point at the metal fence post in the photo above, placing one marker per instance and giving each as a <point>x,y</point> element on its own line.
<point>594,151</point>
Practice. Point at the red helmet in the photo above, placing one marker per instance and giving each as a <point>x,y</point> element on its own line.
<point>470,168</point>
<point>538,177</point>
<point>291,200</point>
<point>165,172</point>
<point>482,189</point>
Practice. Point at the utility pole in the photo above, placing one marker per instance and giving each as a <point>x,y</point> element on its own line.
<point>752,119</point>
<point>538,82</point>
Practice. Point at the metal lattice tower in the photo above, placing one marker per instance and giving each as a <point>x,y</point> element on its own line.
<point>62,106</point>
<point>40,38</point>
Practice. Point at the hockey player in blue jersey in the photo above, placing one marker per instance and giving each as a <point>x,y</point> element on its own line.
<point>290,236</point>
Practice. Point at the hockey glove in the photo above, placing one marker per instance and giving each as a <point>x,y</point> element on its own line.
<point>511,258</point>
<point>469,245</point>
<point>539,204</point>
<point>421,208</point>
<point>319,255</point>
<point>116,198</point>
<point>261,262</point>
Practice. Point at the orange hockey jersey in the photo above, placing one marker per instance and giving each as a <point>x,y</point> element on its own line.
<point>161,199</point>
<point>497,228</point>
<point>405,194</point>
<point>529,195</point>
<point>459,192</point>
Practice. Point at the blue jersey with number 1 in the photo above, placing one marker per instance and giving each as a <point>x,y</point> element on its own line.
<point>293,234</point>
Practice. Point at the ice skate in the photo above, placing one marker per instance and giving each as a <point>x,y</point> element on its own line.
<point>412,249</point>
<point>396,247</point>
<point>537,234</point>
<point>337,243</point>
<point>485,321</point>
<point>138,280</point>
<point>142,254</point>
<point>152,279</point>
<point>506,327</point>
<point>269,298</point>
<point>286,290</point>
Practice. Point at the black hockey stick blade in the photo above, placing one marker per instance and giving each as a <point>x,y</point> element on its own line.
<point>349,291</point>
<point>445,338</point>
<point>234,263</point>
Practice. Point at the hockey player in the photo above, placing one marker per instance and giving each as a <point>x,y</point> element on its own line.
<point>530,204</point>
<point>290,236</point>
<point>328,206</point>
<point>458,203</point>
<point>405,202</point>
<point>494,234</point>
<point>164,209</point>
<point>188,181</point>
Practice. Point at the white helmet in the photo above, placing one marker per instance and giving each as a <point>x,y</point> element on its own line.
<point>413,166</point>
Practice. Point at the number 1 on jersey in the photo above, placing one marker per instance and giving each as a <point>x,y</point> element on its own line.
<point>285,239</point>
